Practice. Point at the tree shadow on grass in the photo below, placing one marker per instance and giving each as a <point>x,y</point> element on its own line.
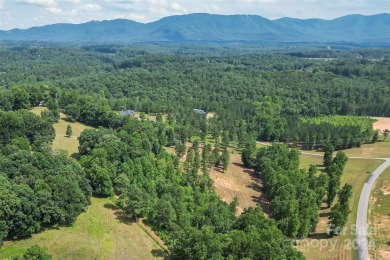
<point>218,169</point>
<point>322,235</point>
<point>110,206</point>
<point>240,165</point>
<point>123,218</point>
<point>324,214</point>
<point>120,215</point>
<point>257,186</point>
<point>75,156</point>
<point>160,253</point>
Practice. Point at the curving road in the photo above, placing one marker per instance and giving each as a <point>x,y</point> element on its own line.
<point>362,212</point>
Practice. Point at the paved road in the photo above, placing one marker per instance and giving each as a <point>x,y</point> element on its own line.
<point>362,212</point>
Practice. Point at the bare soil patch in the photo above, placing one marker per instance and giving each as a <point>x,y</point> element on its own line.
<point>386,188</point>
<point>384,254</point>
<point>382,123</point>
<point>239,182</point>
<point>236,181</point>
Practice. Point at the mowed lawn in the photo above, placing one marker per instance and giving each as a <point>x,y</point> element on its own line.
<point>318,245</point>
<point>102,232</point>
<point>62,142</point>
<point>379,218</point>
<point>380,149</point>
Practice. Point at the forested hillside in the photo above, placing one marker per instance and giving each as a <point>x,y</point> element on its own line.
<point>371,30</point>
<point>260,94</point>
<point>304,102</point>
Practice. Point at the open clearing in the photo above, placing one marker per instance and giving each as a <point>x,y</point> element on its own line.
<point>379,218</point>
<point>239,182</point>
<point>102,232</point>
<point>376,150</point>
<point>380,149</point>
<point>318,245</point>
<point>62,142</point>
<point>382,123</point>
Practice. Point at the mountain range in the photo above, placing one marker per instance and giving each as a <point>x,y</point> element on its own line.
<point>214,29</point>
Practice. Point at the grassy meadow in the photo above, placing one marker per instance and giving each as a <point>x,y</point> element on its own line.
<point>102,232</point>
<point>62,142</point>
<point>318,245</point>
<point>379,217</point>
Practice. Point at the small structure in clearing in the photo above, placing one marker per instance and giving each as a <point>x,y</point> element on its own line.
<point>200,111</point>
<point>129,113</point>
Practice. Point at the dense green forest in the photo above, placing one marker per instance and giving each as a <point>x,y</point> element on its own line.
<point>292,98</point>
<point>38,188</point>
<point>296,195</point>
<point>263,93</point>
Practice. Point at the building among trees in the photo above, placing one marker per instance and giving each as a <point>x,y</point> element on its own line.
<point>129,113</point>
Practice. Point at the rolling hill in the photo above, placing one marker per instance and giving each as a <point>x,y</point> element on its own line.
<point>373,29</point>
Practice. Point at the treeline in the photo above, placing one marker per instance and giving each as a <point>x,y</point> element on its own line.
<point>342,132</point>
<point>153,82</point>
<point>179,203</point>
<point>24,127</point>
<point>262,120</point>
<point>38,190</point>
<point>296,195</point>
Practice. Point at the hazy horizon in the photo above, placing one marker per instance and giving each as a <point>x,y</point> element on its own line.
<point>29,13</point>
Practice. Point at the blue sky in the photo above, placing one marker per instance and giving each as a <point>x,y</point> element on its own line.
<point>28,13</point>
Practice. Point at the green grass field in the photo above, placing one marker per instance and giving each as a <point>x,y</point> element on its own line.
<point>379,217</point>
<point>380,149</point>
<point>102,232</point>
<point>319,246</point>
<point>62,142</point>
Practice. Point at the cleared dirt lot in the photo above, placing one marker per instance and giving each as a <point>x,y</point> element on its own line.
<point>382,123</point>
<point>239,182</point>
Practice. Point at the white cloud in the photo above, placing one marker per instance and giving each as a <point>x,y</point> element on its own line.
<point>39,18</point>
<point>6,17</point>
<point>216,8</point>
<point>90,7</point>
<point>131,16</point>
<point>38,2</point>
<point>69,1</point>
<point>73,12</point>
<point>54,10</point>
<point>261,1</point>
<point>177,8</point>
<point>157,2</point>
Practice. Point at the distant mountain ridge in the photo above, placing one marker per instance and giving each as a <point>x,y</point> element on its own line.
<point>214,28</point>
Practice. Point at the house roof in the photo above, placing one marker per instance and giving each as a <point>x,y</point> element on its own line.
<point>200,111</point>
<point>127,113</point>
